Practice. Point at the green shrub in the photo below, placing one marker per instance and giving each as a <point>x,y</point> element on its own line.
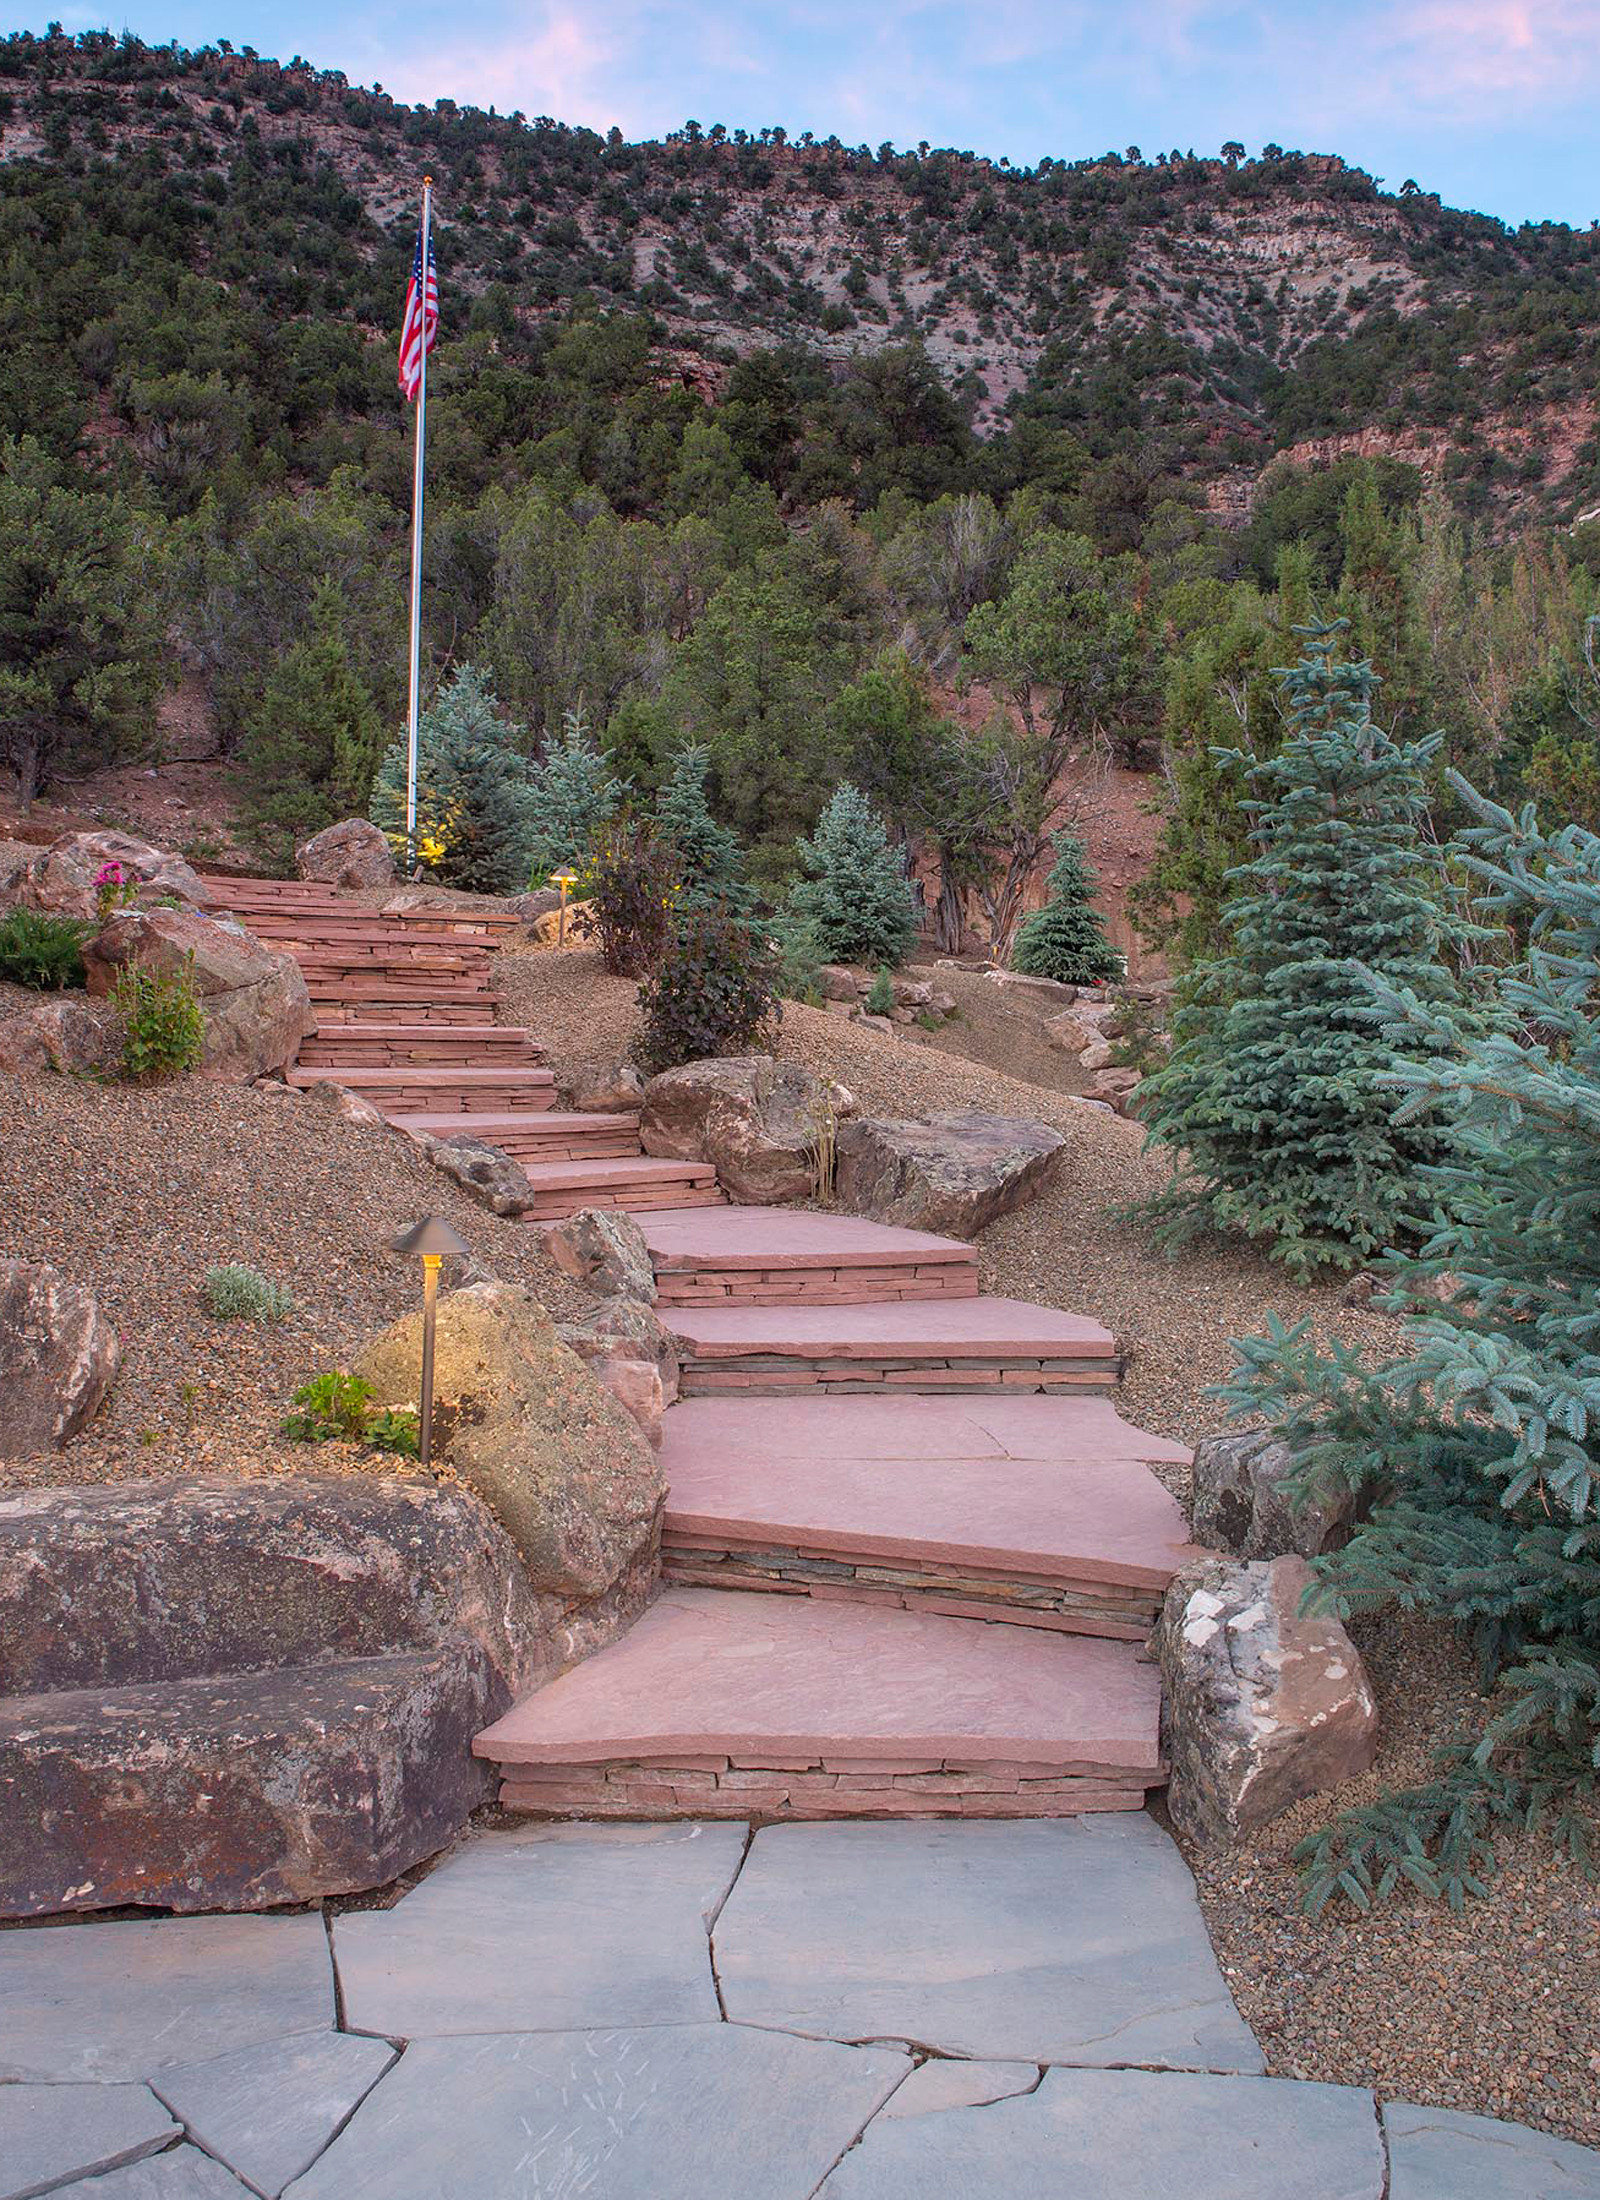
<point>338,1408</point>
<point>880,997</point>
<point>45,953</point>
<point>630,899</point>
<point>237,1293</point>
<point>711,993</point>
<point>163,1028</point>
<point>800,959</point>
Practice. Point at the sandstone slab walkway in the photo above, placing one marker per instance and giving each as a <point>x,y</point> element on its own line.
<point>689,2012</point>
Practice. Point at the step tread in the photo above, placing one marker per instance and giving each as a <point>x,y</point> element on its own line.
<point>529,1122</point>
<point>618,1169</point>
<point>921,1329</point>
<point>507,1035</point>
<point>708,1671</point>
<point>1071,1499</point>
<point>446,1075</point>
<point>789,1237</point>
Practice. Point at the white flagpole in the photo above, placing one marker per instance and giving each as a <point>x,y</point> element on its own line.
<point>416,543</point>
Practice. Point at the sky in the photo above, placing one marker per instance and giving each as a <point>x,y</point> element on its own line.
<point>1492,103</point>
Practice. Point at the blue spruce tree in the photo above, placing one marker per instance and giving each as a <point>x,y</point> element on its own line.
<point>704,854</point>
<point>1271,1104</point>
<point>1478,1444</point>
<point>856,900</point>
<point>571,796</point>
<point>474,829</point>
<point>1065,939</point>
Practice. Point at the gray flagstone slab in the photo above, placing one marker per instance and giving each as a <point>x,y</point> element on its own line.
<point>50,2134</point>
<point>1128,2135</point>
<point>269,2111</point>
<point>547,1929</point>
<point>1442,2154</point>
<point>123,2000</point>
<point>1046,1941</point>
<point>674,2112</point>
<point>183,2173</point>
<point>940,2085</point>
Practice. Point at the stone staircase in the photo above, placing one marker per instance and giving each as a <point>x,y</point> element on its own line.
<point>405,1017</point>
<point>910,1550</point>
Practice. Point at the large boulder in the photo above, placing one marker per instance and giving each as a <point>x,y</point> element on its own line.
<point>605,1251</point>
<point>253,999</point>
<point>238,1693</point>
<point>760,1123</point>
<point>63,880</point>
<point>352,854</point>
<point>1242,1504</point>
<point>346,1103</point>
<point>524,1423</point>
<point>1263,1706</point>
<point>952,1173</point>
<point>624,1344</point>
<point>58,1357</point>
<point>486,1171</point>
<point>59,1031</point>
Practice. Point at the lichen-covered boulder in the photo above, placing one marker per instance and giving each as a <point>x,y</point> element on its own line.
<point>485,1171</point>
<point>526,1424</point>
<point>610,1088</point>
<point>625,1345</point>
<point>605,1251</point>
<point>253,999</point>
<point>1242,1505</point>
<point>59,1031</point>
<point>63,879</point>
<point>58,1357</point>
<point>352,854</point>
<point>952,1174</point>
<point>760,1123</point>
<point>1263,1706</point>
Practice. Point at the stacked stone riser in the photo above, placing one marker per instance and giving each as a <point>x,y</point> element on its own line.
<point>1121,1613</point>
<point>636,1199</point>
<point>405,1046</point>
<point>374,1007</point>
<point>767,1375</point>
<point>824,1787</point>
<point>816,1286</point>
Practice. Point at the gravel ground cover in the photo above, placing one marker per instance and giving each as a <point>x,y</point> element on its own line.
<point>1496,2011</point>
<point>136,1193</point>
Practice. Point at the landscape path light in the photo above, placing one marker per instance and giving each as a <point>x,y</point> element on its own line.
<point>431,1238</point>
<point>566,880</point>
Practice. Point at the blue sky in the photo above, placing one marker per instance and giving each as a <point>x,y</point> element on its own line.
<point>1492,103</point>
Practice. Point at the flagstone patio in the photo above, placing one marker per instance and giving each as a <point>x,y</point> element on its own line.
<point>933,2011</point>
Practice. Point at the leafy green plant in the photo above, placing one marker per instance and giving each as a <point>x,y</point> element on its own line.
<point>880,995</point>
<point>43,952</point>
<point>337,1407</point>
<point>237,1293</point>
<point>163,1029</point>
<point>711,993</point>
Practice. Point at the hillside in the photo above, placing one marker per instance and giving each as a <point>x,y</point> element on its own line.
<point>1197,315</point>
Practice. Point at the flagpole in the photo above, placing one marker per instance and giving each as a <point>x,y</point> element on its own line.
<point>416,544</point>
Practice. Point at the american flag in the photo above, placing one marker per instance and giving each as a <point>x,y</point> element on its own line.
<point>420,326</point>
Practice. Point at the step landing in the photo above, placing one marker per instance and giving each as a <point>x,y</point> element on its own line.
<point>891,1345</point>
<point>747,1256</point>
<point>722,1704</point>
<point>1064,1527</point>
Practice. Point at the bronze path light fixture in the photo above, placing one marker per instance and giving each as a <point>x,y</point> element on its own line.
<point>566,879</point>
<point>431,1238</point>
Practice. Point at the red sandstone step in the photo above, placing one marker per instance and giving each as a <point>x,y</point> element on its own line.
<point>637,1184</point>
<point>300,898</point>
<point>731,1256</point>
<point>342,1010</point>
<point>540,1134</point>
<point>718,1704</point>
<point>1034,1510</point>
<point>395,1046</point>
<point>894,1345</point>
<point>409,1090</point>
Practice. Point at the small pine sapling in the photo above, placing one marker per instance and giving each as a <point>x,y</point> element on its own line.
<point>1066,940</point>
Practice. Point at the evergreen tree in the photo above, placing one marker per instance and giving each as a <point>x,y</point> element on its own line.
<point>571,795</point>
<point>1480,1440</point>
<point>1271,1103</point>
<point>311,743</point>
<point>474,828</point>
<point>705,853</point>
<point>1065,939</point>
<point>857,895</point>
